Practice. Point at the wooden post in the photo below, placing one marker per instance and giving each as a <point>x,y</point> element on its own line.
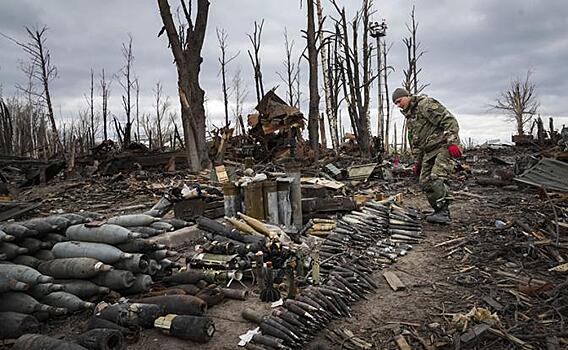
<point>295,195</point>
<point>271,202</point>
<point>284,205</point>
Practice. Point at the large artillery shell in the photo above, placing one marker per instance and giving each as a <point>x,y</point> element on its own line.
<point>178,304</point>
<point>18,231</point>
<point>115,279</point>
<point>33,245</point>
<point>40,290</point>
<point>25,304</point>
<point>137,264</point>
<point>142,284</point>
<point>66,300</point>
<point>185,277</point>
<point>41,225</point>
<point>74,219</point>
<point>4,237</point>
<point>100,251</point>
<point>162,225</point>
<point>82,288</point>
<point>130,314</point>
<point>11,250</point>
<point>24,274</point>
<point>43,342</point>
<point>102,339</point>
<point>107,233</point>
<point>139,245</point>
<point>78,268</point>
<point>237,294</point>
<point>44,254</point>
<point>27,260</point>
<point>15,324</point>
<point>195,328</point>
<point>132,220</point>
<point>9,284</point>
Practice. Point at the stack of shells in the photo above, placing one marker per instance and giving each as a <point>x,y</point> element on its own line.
<point>52,265</point>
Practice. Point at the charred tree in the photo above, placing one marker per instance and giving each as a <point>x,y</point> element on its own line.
<point>255,59</point>
<point>186,46</point>
<point>105,94</point>
<point>223,61</point>
<point>290,71</point>
<point>43,71</point>
<point>240,93</point>
<point>519,101</point>
<point>355,75</point>
<point>327,82</point>
<point>313,113</point>
<point>127,82</point>
<point>137,92</point>
<point>7,134</point>
<point>413,53</point>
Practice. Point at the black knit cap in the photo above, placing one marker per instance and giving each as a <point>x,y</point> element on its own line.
<point>398,93</point>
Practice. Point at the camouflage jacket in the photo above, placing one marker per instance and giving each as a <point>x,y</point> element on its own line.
<point>431,126</point>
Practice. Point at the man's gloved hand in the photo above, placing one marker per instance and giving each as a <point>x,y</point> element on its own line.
<point>416,169</point>
<point>454,150</point>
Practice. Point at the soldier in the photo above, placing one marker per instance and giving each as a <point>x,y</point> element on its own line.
<point>433,134</point>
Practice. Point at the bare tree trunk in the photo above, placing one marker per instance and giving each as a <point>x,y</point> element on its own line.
<point>387,100</point>
<point>187,55</point>
<point>331,117</point>
<point>137,89</point>
<point>313,114</point>
<point>127,86</point>
<point>255,60</point>
<point>411,81</point>
<point>223,61</point>
<point>290,74</point>
<point>322,131</point>
<point>92,109</point>
<point>105,93</point>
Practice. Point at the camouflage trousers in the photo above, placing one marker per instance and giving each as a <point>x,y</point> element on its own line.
<point>434,174</point>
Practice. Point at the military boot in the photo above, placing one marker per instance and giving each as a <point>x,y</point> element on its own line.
<point>440,216</point>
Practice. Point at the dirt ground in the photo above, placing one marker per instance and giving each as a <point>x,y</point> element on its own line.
<point>450,272</point>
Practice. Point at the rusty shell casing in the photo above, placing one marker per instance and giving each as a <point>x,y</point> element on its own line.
<point>115,279</point>
<point>15,324</point>
<point>74,268</point>
<point>66,300</point>
<point>199,329</point>
<point>104,339</point>
<point>41,342</point>
<point>178,304</point>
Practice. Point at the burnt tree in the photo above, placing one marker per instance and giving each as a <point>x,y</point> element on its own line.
<point>105,94</point>
<point>223,61</point>
<point>42,71</point>
<point>127,83</point>
<point>519,101</point>
<point>255,59</point>
<point>355,72</point>
<point>413,53</point>
<point>290,71</point>
<point>313,112</point>
<point>186,46</point>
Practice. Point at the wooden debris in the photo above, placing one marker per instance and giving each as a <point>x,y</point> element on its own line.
<point>394,282</point>
<point>401,342</point>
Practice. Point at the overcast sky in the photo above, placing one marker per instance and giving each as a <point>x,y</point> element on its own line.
<point>473,50</point>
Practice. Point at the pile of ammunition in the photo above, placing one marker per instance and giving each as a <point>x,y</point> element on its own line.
<point>348,255</point>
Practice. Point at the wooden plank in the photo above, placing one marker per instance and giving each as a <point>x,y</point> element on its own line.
<point>18,211</point>
<point>394,282</point>
<point>401,342</point>
<point>221,174</point>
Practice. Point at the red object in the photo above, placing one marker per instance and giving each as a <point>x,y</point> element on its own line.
<point>454,150</point>
<point>416,169</point>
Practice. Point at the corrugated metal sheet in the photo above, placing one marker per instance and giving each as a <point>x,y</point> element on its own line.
<point>549,173</point>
